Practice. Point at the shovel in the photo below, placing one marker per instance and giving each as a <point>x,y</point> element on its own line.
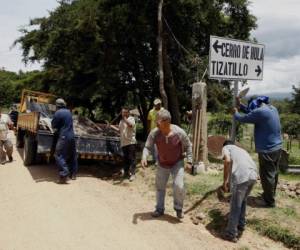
<point>243,93</point>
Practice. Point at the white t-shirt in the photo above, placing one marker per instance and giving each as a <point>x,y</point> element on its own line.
<point>127,133</point>
<point>4,123</point>
<point>243,167</point>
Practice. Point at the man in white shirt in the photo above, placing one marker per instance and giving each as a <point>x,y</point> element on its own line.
<point>240,175</point>
<point>128,142</point>
<point>5,125</point>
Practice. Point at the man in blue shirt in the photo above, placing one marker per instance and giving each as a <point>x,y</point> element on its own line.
<point>268,142</point>
<point>65,150</point>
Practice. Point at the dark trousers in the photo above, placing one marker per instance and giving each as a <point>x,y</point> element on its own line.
<point>268,171</point>
<point>238,203</point>
<point>66,156</point>
<point>129,159</point>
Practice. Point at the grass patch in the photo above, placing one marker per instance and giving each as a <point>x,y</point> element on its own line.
<point>289,177</point>
<point>288,211</point>
<point>275,232</point>
<point>198,188</point>
<point>204,184</point>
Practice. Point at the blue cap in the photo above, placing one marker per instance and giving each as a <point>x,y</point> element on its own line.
<point>255,103</point>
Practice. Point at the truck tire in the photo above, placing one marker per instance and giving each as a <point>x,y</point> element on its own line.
<point>20,138</point>
<point>30,149</point>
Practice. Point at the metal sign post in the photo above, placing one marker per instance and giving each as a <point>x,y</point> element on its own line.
<point>235,94</point>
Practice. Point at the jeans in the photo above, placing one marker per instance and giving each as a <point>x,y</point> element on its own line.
<point>8,146</point>
<point>268,171</point>
<point>238,204</point>
<point>129,159</point>
<point>66,156</point>
<point>162,176</point>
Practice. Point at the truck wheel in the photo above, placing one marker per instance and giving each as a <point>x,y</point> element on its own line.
<point>20,138</point>
<point>30,150</point>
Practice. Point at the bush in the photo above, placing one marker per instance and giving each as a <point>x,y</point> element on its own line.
<point>221,124</point>
<point>290,124</point>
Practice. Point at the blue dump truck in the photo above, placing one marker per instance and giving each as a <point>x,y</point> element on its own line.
<point>34,132</point>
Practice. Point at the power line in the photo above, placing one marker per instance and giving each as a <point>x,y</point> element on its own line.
<point>196,59</point>
<point>180,45</point>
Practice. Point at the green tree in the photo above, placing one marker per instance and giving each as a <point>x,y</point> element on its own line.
<point>295,103</point>
<point>101,52</point>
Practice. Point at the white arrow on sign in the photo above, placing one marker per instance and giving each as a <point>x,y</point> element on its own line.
<point>231,59</point>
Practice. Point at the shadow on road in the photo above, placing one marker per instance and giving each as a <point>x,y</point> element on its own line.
<point>42,171</point>
<point>218,222</point>
<point>147,216</point>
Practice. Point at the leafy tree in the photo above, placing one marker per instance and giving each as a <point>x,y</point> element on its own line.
<point>7,87</point>
<point>295,103</point>
<point>290,124</point>
<point>101,52</point>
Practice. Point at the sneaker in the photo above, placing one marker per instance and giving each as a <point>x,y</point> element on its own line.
<point>228,237</point>
<point>157,213</point>
<point>179,214</point>
<point>10,158</point>
<point>132,177</point>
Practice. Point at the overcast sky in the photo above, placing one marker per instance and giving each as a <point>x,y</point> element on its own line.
<point>278,28</point>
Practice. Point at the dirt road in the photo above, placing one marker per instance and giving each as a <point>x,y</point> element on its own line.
<point>89,213</point>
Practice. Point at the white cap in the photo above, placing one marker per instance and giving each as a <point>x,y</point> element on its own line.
<point>157,101</point>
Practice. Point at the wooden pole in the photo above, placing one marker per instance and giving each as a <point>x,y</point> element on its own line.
<point>199,124</point>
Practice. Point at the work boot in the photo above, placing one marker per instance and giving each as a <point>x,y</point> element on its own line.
<point>73,177</point>
<point>229,237</point>
<point>62,180</point>
<point>10,158</point>
<point>179,213</point>
<point>241,230</point>
<point>157,214</point>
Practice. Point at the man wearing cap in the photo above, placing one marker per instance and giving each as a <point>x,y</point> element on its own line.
<point>65,150</point>
<point>268,142</point>
<point>151,122</point>
<point>172,142</point>
<point>151,119</point>
<point>5,125</point>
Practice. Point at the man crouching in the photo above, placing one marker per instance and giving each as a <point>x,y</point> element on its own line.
<point>240,173</point>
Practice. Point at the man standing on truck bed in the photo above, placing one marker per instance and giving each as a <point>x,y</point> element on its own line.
<point>5,124</point>
<point>65,150</point>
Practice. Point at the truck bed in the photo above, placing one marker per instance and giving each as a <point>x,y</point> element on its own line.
<point>88,147</point>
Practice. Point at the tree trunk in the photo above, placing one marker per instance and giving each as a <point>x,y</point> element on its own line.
<point>160,55</point>
<point>173,106</point>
